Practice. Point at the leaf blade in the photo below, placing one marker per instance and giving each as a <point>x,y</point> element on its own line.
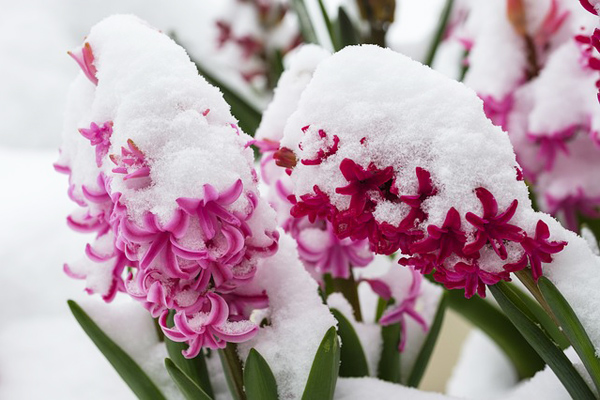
<point>352,356</point>
<point>498,327</point>
<point>324,371</point>
<point>129,370</point>
<point>538,339</point>
<point>572,328</point>
<point>259,380</point>
<point>189,389</point>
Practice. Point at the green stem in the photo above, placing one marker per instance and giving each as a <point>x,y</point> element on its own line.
<point>232,366</point>
<point>349,289</point>
<point>439,34</point>
<point>498,327</point>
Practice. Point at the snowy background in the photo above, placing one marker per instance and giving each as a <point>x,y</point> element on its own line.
<point>40,342</point>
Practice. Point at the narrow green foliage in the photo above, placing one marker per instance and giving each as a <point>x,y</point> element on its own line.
<point>427,349</point>
<point>328,25</point>
<point>324,371</point>
<point>354,361</point>
<point>187,387</point>
<point>542,316</point>
<point>306,27</point>
<point>499,328</point>
<point>345,31</point>
<point>259,380</point>
<point>248,116</point>
<point>439,33</point>
<point>523,320</point>
<point>132,374</point>
<point>572,328</point>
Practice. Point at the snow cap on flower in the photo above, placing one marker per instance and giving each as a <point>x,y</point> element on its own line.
<point>166,180</point>
<point>418,167</point>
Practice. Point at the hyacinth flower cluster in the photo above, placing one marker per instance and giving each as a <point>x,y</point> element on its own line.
<point>176,228</point>
<point>255,34</point>
<point>472,226</point>
<point>519,61</point>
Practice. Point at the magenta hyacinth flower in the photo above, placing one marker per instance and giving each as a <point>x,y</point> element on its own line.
<point>361,182</point>
<point>447,239</point>
<point>537,250</point>
<point>470,277</point>
<point>208,328</point>
<point>85,58</point>
<point>322,154</point>
<point>493,227</point>
<point>99,136</point>
<point>498,110</point>
<point>133,164</point>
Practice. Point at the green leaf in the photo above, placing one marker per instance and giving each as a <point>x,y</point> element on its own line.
<point>194,368</point>
<point>572,327</point>
<point>232,367</point>
<point>517,312</point>
<point>439,33</point>
<point>346,32</point>
<point>324,371</point>
<point>328,24</point>
<point>354,362</point>
<point>306,27</point>
<point>542,316</point>
<point>132,374</point>
<point>424,356</point>
<point>186,385</point>
<point>499,328</point>
<point>259,380</point>
<point>247,115</point>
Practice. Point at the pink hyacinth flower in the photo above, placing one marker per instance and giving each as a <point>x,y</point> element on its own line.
<point>497,110</point>
<point>133,164</point>
<point>207,329</point>
<point>99,136</point>
<point>85,59</point>
<point>406,308</point>
<point>329,254</point>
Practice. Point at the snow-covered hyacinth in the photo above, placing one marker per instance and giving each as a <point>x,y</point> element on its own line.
<point>165,179</point>
<point>409,162</point>
<point>534,65</point>
<point>319,248</point>
<point>252,32</point>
